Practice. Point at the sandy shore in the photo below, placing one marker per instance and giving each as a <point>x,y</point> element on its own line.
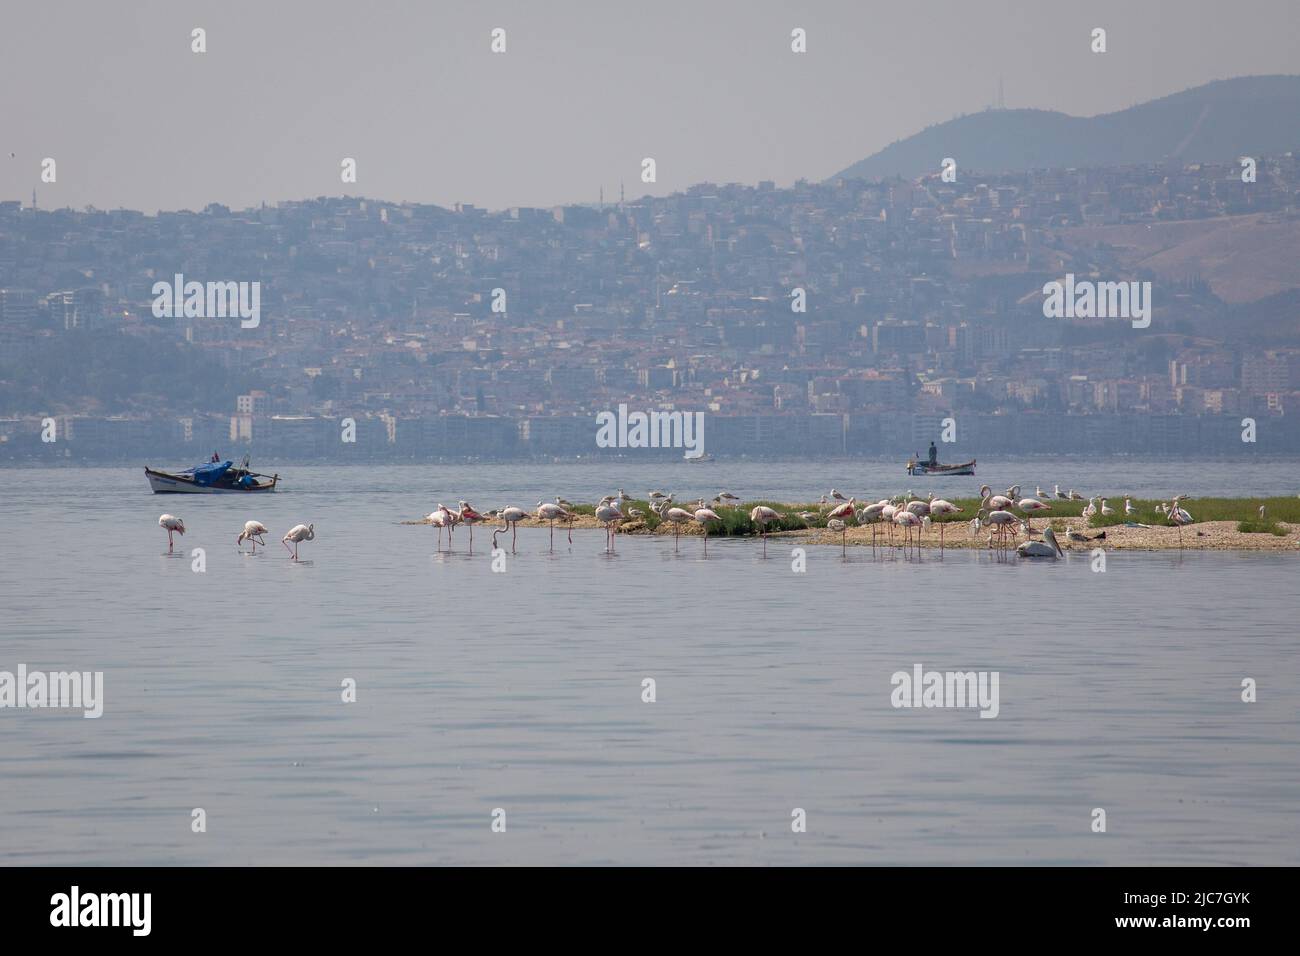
<point>1203,536</point>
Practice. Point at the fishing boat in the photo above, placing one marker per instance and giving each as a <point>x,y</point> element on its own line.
<point>212,478</point>
<point>698,459</point>
<point>915,467</point>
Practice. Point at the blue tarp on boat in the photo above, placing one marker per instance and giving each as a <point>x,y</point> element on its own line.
<point>208,474</point>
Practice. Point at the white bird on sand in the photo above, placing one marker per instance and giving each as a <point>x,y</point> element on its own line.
<point>1090,509</point>
<point>253,531</point>
<point>704,515</point>
<point>1047,548</point>
<point>762,515</point>
<point>299,532</point>
<point>1106,510</point>
<point>550,513</point>
<point>1128,507</point>
<point>609,516</point>
<point>172,525</point>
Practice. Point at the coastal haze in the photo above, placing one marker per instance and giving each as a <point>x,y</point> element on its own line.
<point>396,260</point>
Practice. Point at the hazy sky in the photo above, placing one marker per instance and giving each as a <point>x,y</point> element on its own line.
<point>709,88</point>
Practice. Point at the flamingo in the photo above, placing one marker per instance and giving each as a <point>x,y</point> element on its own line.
<point>907,520</point>
<point>172,525</point>
<point>872,515</point>
<point>938,508</point>
<point>1031,505</point>
<point>1047,548</point>
<point>609,515</point>
<point>253,531</point>
<point>678,516</point>
<point>299,532</point>
<point>441,518</point>
<point>550,512</point>
<point>510,517</point>
<point>704,515</point>
<point>1178,516</point>
<point>994,502</point>
<point>1002,521</point>
<point>761,515</point>
<point>471,517</point>
<point>835,524</point>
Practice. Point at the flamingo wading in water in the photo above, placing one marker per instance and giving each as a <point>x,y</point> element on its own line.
<point>172,525</point>
<point>299,532</point>
<point>253,531</point>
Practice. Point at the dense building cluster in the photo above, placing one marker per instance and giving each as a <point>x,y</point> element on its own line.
<point>842,317</point>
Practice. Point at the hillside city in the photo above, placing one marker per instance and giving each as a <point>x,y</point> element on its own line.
<point>846,317</point>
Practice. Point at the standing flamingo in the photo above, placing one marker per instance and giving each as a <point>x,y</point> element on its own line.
<point>678,516</point>
<point>253,531</point>
<point>299,532</point>
<point>938,508</point>
<point>441,518</point>
<point>173,525</point>
<point>1179,517</point>
<point>511,517</point>
<point>609,515</point>
<point>907,520</point>
<point>470,517</point>
<point>550,512</point>
<point>704,515</point>
<point>761,515</point>
<point>872,515</point>
<point>1031,505</point>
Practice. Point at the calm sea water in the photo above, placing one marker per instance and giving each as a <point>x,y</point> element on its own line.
<point>522,690</point>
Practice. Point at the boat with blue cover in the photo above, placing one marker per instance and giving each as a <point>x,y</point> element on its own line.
<point>211,478</point>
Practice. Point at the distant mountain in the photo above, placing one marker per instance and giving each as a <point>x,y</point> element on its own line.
<point>1247,116</point>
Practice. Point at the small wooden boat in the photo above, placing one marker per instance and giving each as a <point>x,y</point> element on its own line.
<point>213,478</point>
<point>915,467</point>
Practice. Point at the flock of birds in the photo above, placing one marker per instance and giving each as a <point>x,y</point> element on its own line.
<point>902,519</point>
<point>253,533</point>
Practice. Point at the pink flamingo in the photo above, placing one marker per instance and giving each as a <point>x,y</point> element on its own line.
<point>299,532</point>
<point>761,515</point>
<point>441,518</point>
<point>704,515</point>
<point>609,515</point>
<point>253,531</point>
<point>550,513</point>
<point>173,525</point>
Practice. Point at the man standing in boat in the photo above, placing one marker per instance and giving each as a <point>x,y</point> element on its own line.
<point>934,455</point>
